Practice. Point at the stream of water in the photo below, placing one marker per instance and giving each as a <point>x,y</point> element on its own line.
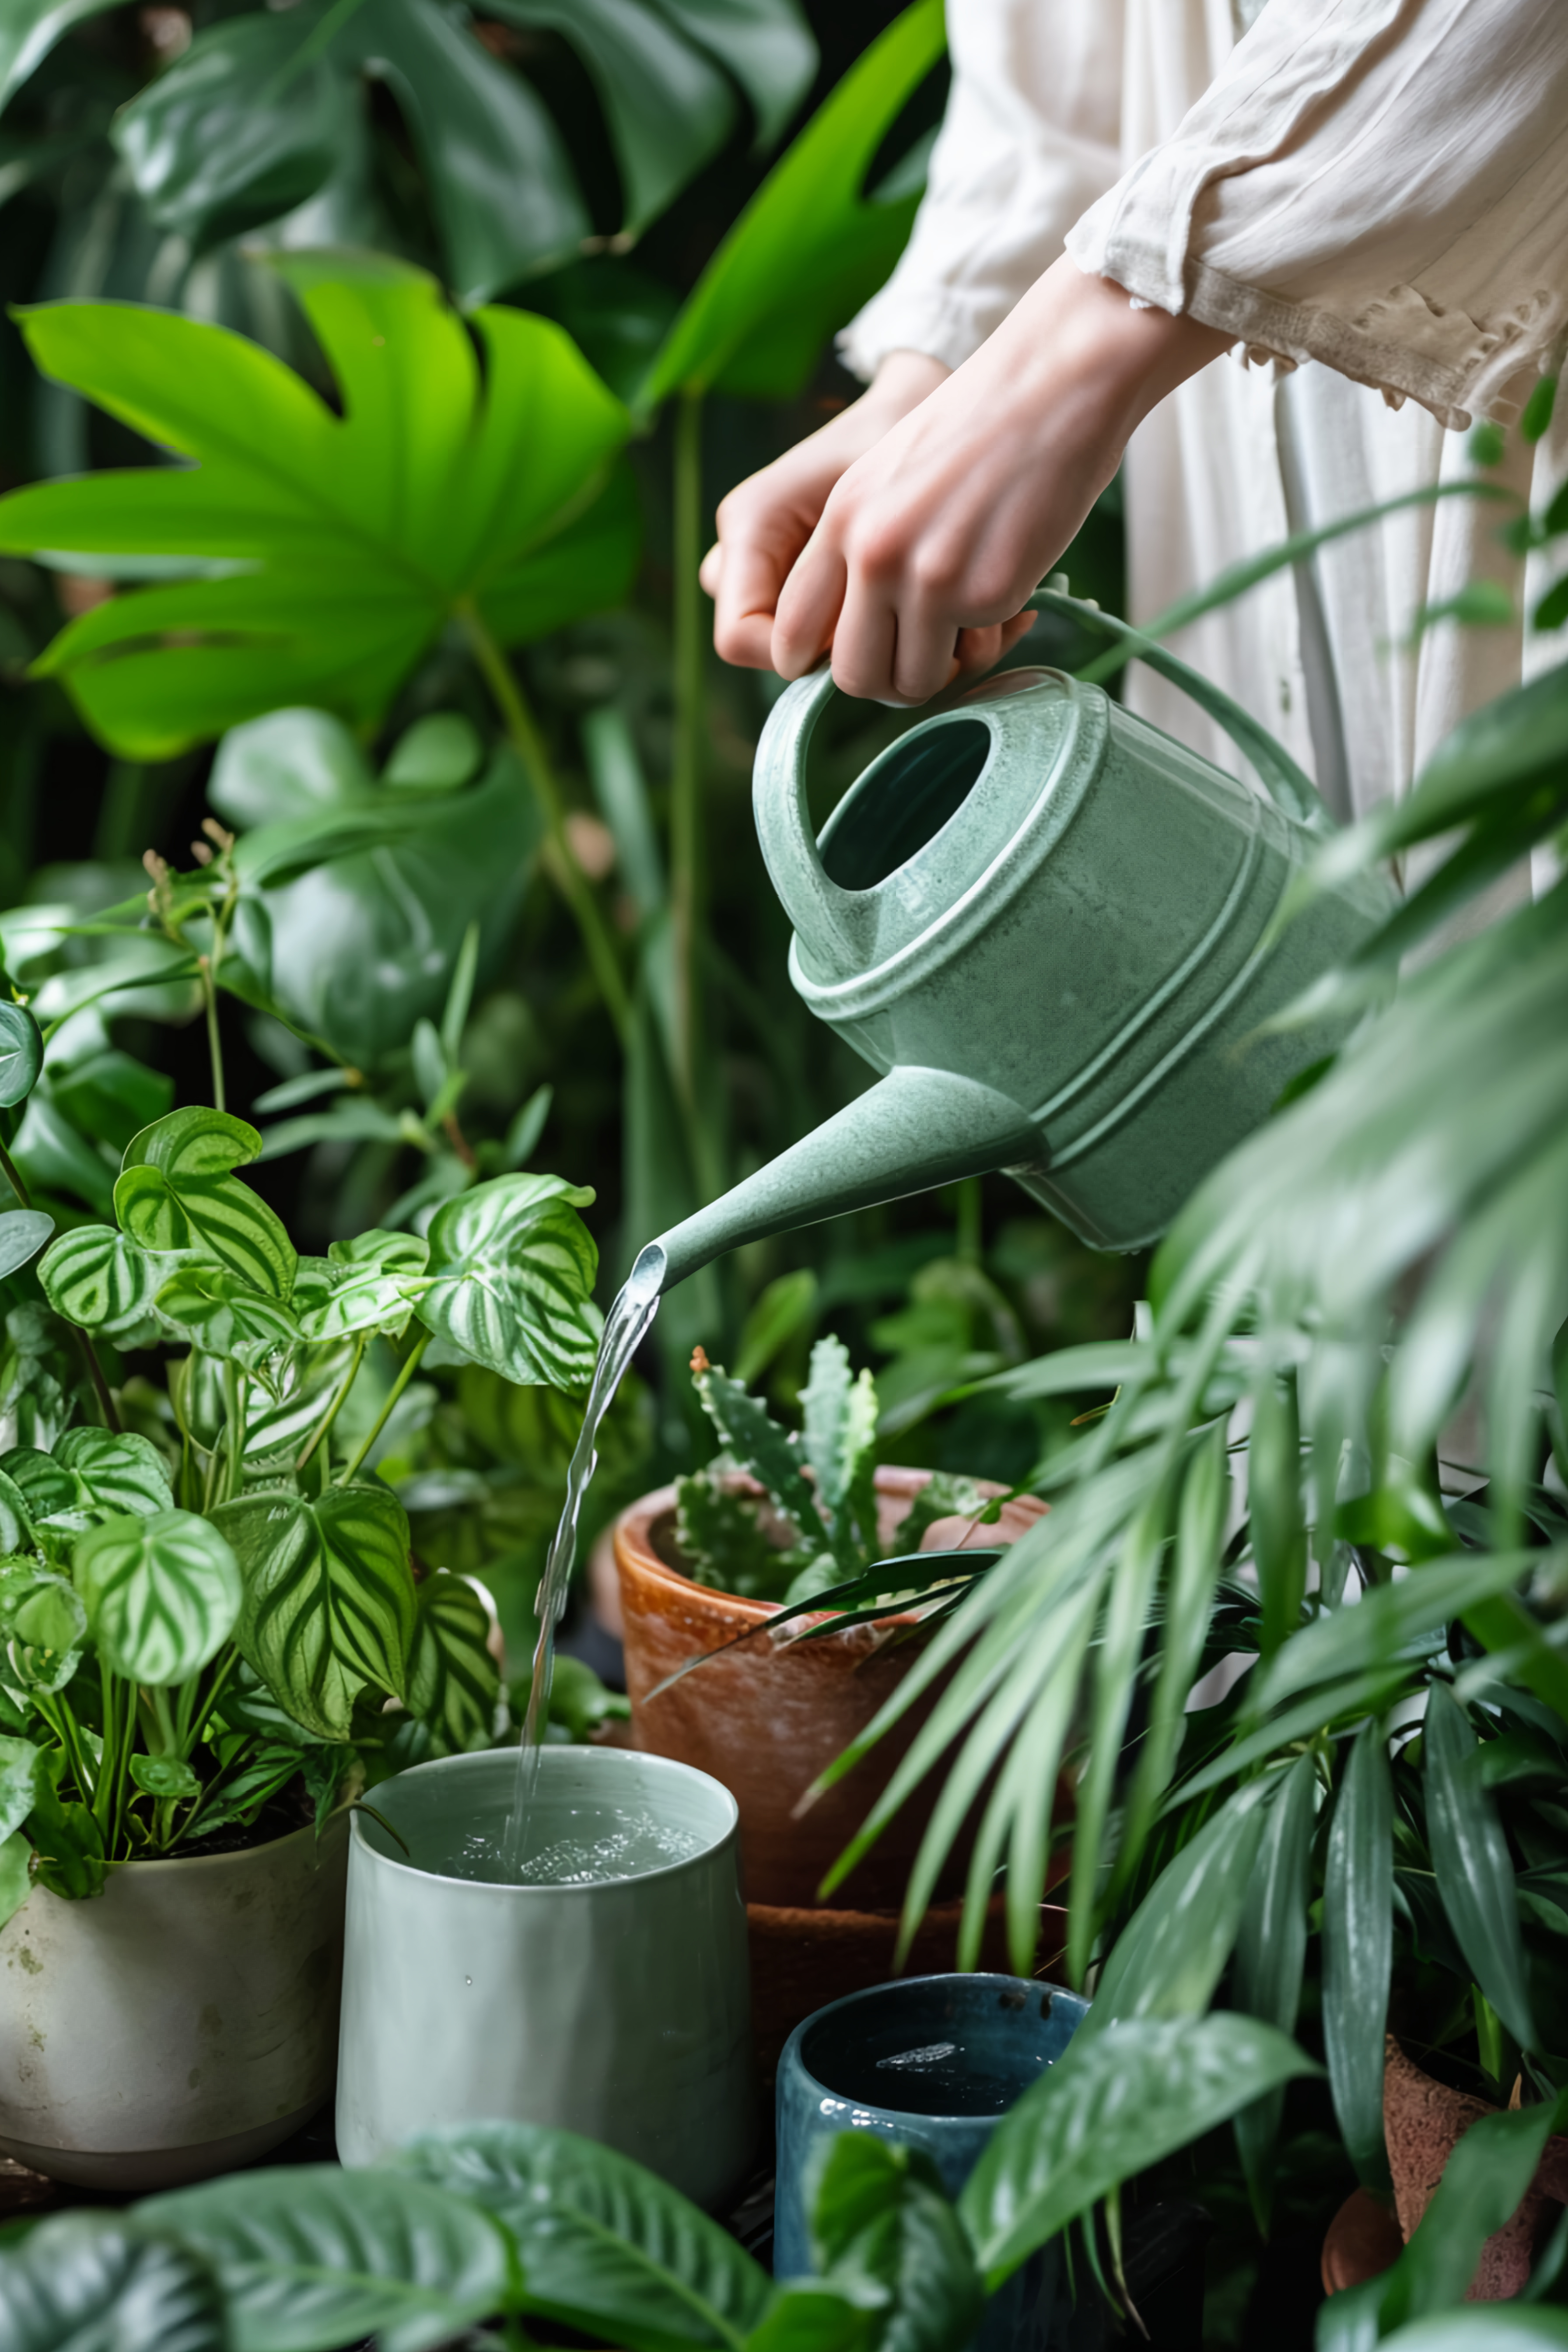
<point>625,1327</point>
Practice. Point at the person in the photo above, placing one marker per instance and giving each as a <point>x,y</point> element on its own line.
<point>1363,202</point>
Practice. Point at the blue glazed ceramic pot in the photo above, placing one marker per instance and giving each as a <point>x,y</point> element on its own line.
<point>933,2061</point>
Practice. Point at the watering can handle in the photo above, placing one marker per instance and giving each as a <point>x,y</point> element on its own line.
<point>1288,787</point>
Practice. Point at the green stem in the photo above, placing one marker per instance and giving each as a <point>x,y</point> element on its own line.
<point>63,1724</point>
<point>410,1365</point>
<point>102,1389</point>
<point>215,1692</point>
<point>350,1377</point>
<point>564,871</point>
<point>115,1809</point>
<point>235,1387</point>
<point>8,1170</point>
<point>686,865</point>
<point>215,1043</point>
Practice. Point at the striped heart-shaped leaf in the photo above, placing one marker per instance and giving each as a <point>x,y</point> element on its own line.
<point>98,1279</point>
<point>21,1053</point>
<point>42,1627</point>
<point>177,1191</point>
<point>453,1681</point>
<point>92,1474</point>
<point>369,1284</point>
<point>161,1594</point>
<point>224,1315</point>
<point>513,1267</point>
<point>329,1598</point>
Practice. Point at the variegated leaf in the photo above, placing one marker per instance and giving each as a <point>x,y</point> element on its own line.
<point>224,1315</point>
<point>121,1471</point>
<point>53,1497</point>
<point>328,1597</point>
<point>369,1284</point>
<point>161,1594</point>
<point>177,1192</point>
<point>42,1627</point>
<point>512,1268</point>
<point>98,1279</point>
<point>453,1681</point>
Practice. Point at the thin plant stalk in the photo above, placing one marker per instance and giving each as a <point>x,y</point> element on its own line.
<point>340,1397</point>
<point>409,1367</point>
<point>687,877</point>
<point>564,871</point>
<point>9,1170</point>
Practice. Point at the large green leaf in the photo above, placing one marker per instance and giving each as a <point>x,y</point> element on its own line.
<point>453,1681</point>
<point>94,2282</point>
<point>882,2223</point>
<point>1484,2181</point>
<point>161,1594</point>
<point>1116,2103</point>
<point>176,1191</point>
<point>92,1474</point>
<point>329,1598</point>
<point>1474,1870</point>
<point>20,1764</point>
<point>253,118</point>
<point>512,1280</point>
<point>810,247</point>
<point>606,2245</point>
<point>355,538</point>
<point>310,2258</point>
<point>1170,1956</point>
<point>97,1279</point>
<point>23,1232</point>
<point>1358,1947</point>
<point>21,1053</point>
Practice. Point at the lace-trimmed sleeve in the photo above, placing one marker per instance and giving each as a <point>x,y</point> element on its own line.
<point>1381,185</point>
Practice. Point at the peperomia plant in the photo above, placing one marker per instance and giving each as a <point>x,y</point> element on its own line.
<point>820,1528</point>
<point>195,1614</point>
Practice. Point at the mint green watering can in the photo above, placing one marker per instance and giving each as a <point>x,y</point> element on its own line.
<point>1047,926</point>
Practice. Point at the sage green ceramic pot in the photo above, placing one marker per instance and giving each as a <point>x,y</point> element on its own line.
<point>619,2009</point>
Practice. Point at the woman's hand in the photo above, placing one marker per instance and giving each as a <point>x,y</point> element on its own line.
<point>931,539</point>
<point>766,520</point>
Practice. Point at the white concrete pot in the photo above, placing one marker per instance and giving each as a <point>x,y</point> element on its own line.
<point>619,2009</point>
<point>181,2024</point>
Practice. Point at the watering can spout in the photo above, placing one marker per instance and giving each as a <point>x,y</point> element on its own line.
<point>915,1129</point>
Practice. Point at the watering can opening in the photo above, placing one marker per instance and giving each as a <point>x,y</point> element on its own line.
<point>903,801</point>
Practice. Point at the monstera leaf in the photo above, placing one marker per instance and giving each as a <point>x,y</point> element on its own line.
<point>329,1598</point>
<point>97,1279</point>
<point>177,1191</point>
<point>161,1594</point>
<point>453,1680</point>
<point>810,246</point>
<point>369,1284</point>
<point>512,1280</point>
<point>254,118</point>
<point>345,543</point>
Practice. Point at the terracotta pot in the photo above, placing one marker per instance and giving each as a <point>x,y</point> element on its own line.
<point>180,2025</point>
<point>1422,2122</point>
<point>766,1722</point>
<point>802,1959</point>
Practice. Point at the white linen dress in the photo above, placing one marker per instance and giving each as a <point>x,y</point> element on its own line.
<point>1373,196</point>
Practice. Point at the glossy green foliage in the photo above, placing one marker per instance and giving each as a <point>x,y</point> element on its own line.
<point>510,1276</point>
<point>98,1279</point>
<point>1111,2106</point>
<point>177,1191</point>
<point>80,2281</point>
<point>453,1681</point>
<point>329,1598</point>
<point>92,1475</point>
<point>342,544</point>
<point>257,115</point>
<point>161,1594</point>
<point>369,1284</point>
<point>881,2225</point>
<point>308,2258</point>
<point>604,2244</point>
<point>812,246</point>
<point>1358,1940</point>
<point>21,1053</point>
<point>43,1626</point>
<point>1473,1866</point>
<point>357,895</point>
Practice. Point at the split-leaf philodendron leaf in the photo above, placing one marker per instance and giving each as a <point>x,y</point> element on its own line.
<point>329,1598</point>
<point>512,1280</point>
<point>345,542</point>
<point>161,1594</point>
<point>177,1192</point>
